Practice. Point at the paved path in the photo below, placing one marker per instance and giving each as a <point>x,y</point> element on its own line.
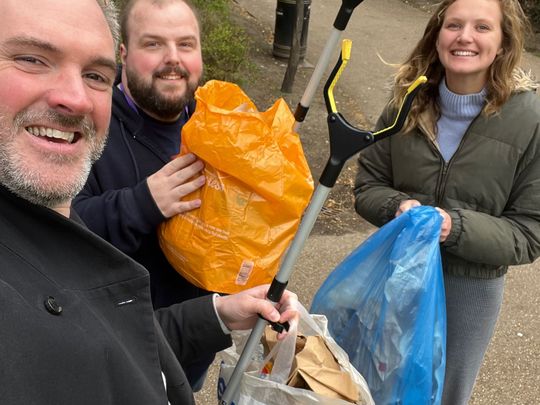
<point>388,28</point>
<point>511,373</point>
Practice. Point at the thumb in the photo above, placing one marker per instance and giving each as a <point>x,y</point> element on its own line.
<point>267,310</point>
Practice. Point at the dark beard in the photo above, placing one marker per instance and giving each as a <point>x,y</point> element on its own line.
<point>150,100</point>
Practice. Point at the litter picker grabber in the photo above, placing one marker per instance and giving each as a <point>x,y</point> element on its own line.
<point>340,23</point>
<point>345,141</point>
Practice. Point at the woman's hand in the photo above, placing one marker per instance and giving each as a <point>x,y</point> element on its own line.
<point>406,205</point>
<point>446,225</point>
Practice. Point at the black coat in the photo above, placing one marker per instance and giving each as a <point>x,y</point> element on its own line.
<point>77,324</point>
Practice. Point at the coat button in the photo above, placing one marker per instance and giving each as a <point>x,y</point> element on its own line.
<point>52,306</point>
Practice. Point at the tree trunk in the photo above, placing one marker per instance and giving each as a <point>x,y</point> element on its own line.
<point>294,55</point>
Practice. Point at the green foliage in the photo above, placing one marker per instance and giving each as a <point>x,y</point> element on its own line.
<point>225,46</point>
<point>212,6</point>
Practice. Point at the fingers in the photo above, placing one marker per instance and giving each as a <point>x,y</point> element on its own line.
<point>184,206</point>
<point>289,309</point>
<point>288,303</point>
<point>184,189</point>
<point>284,311</point>
<point>178,163</point>
<point>180,170</point>
<point>240,311</point>
<point>406,205</point>
<point>292,316</point>
<point>446,225</point>
<point>256,303</point>
<point>177,179</point>
<point>267,310</point>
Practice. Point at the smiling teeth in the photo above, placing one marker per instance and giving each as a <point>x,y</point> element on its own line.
<point>52,133</point>
<point>464,53</point>
<point>174,77</point>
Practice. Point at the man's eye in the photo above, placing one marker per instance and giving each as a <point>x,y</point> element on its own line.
<point>96,77</point>
<point>29,59</point>
<point>99,81</point>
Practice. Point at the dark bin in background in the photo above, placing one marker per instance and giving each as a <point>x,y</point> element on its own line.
<point>283,33</point>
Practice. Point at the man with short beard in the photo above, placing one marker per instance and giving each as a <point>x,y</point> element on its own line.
<point>77,326</point>
<point>136,184</point>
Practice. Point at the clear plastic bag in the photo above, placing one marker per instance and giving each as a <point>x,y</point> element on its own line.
<point>386,308</point>
<point>272,389</point>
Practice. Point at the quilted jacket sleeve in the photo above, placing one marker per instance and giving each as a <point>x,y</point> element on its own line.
<point>375,198</point>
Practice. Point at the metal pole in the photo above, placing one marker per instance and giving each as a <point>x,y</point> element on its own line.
<point>311,213</point>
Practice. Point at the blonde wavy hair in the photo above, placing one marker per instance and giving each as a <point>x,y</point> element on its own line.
<point>505,76</point>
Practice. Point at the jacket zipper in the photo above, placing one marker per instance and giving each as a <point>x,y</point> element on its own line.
<point>442,182</point>
<point>443,170</point>
<point>443,174</point>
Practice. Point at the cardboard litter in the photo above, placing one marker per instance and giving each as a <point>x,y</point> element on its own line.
<point>315,368</point>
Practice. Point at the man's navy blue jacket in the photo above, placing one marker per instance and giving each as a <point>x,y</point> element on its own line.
<point>117,205</point>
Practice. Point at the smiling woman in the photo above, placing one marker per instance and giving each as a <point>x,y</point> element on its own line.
<point>471,149</point>
<point>469,40</point>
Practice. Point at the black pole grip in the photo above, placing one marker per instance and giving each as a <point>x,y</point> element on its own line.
<point>276,290</point>
<point>345,12</point>
<point>300,113</point>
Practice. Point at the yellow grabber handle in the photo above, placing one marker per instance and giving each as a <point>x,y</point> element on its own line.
<point>345,139</point>
<point>404,109</point>
<point>344,57</point>
<point>335,75</point>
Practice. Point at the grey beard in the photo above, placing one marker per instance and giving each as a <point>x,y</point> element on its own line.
<point>27,185</point>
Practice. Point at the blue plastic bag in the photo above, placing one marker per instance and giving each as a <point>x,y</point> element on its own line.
<point>386,308</point>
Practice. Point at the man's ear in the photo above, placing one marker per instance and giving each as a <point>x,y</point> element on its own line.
<point>123,53</point>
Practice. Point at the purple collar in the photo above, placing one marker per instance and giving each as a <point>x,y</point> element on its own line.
<point>133,106</point>
<point>130,102</point>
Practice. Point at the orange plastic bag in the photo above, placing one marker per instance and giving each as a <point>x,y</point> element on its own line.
<point>258,184</point>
